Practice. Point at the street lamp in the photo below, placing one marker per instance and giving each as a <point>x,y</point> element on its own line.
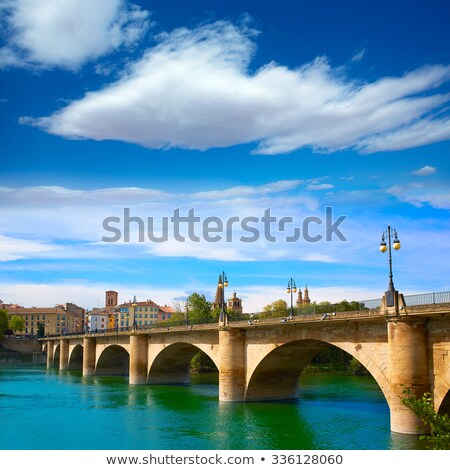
<point>62,327</point>
<point>223,282</point>
<point>390,293</point>
<point>134,304</point>
<point>291,289</point>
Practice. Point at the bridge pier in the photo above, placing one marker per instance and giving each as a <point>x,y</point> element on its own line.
<point>63,354</point>
<point>138,359</point>
<point>49,354</point>
<point>408,356</point>
<point>232,365</point>
<point>89,346</point>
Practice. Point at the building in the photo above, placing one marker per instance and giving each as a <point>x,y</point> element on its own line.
<point>139,313</point>
<point>98,320</point>
<point>6,306</point>
<point>166,313</point>
<point>43,321</point>
<point>125,315</point>
<point>303,299</point>
<point>235,304</point>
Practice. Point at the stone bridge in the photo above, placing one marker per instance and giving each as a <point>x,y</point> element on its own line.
<point>262,361</point>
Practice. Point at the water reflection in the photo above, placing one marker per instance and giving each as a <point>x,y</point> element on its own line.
<point>333,412</point>
<point>405,442</point>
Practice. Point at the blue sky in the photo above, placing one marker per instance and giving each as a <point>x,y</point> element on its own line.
<point>227,108</point>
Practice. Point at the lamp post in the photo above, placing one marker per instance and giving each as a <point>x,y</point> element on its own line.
<point>134,304</point>
<point>386,245</point>
<point>48,328</point>
<point>223,282</point>
<point>291,289</point>
<point>62,327</point>
<point>187,305</point>
<point>116,314</point>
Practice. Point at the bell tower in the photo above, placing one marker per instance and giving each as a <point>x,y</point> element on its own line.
<point>112,298</point>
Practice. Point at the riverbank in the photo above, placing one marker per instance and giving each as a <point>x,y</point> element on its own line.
<point>21,352</point>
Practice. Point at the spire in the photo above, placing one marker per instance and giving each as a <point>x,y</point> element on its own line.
<point>299,298</point>
<point>218,297</point>
<point>306,299</point>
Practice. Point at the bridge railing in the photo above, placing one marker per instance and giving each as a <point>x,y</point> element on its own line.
<point>361,307</point>
<point>429,298</point>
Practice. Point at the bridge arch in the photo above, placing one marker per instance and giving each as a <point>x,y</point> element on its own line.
<point>56,354</point>
<point>113,360</point>
<point>76,357</point>
<point>444,406</point>
<point>441,394</point>
<point>274,375</point>
<point>172,364</point>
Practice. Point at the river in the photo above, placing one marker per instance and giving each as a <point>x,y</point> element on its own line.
<point>48,409</point>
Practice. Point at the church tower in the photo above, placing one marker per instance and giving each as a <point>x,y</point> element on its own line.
<point>303,299</point>
<point>299,298</point>
<point>218,297</point>
<point>235,304</point>
<point>306,299</point>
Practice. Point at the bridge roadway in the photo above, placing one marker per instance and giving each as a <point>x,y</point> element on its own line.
<point>407,348</point>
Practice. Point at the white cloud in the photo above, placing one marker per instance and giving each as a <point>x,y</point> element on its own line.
<point>423,132</point>
<point>359,56</point>
<point>435,196</point>
<point>247,191</point>
<point>53,214</point>
<point>319,187</point>
<point>18,248</point>
<point>67,33</point>
<point>194,90</point>
<point>424,171</point>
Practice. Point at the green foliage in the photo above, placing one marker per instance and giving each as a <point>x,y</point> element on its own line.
<point>344,306</point>
<point>3,322</point>
<point>201,362</point>
<point>200,310</point>
<point>439,424</point>
<point>16,323</point>
<point>275,310</point>
<point>332,358</point>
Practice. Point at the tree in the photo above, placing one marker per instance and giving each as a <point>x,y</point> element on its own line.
<point>275,310</point>
<point>343,306</point>
<point>200,310</point>
<point>16,323</point>
<point>439,424</point>
<point>3,322</point>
